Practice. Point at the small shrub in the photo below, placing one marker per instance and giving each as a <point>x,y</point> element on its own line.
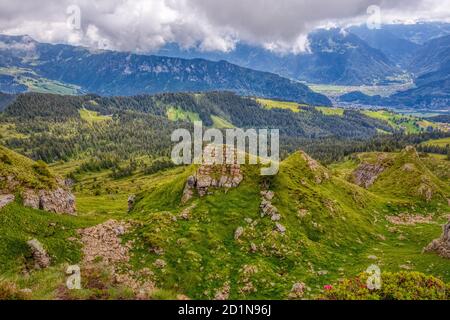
<point>395,286</point>
<point>9,291</point>
<point>6,159</point>
<point>41,168</point>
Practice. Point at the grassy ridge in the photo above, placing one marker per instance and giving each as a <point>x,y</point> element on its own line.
<point>332,230</point>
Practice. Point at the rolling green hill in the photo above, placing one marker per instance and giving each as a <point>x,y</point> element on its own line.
<point>329,227</point>
<point>317,227</point>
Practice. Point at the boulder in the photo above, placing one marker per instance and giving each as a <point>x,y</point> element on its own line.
<point>40,256</point>
<point>160,264</point>
<point>131,202</point>
<point>366,174</point>
<point>6,199</point>
<point>238,233</point>
<point>441,245</point>
<point>58,201</point>
<point>223,293</point>
<point>206,177</point>
<point>280,228</point>
<point>189,188</point>
<point>30,199</point>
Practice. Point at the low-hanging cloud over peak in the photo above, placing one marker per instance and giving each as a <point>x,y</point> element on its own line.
<point>146,25</point>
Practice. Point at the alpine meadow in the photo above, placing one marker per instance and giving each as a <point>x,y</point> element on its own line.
<point>225,150</point>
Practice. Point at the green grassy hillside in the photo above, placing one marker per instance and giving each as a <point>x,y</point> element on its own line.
<point>332,228</point>
<point>220,244</point>
<point>17,171</point>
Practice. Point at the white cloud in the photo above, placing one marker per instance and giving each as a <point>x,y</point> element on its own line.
<point>145,25</point>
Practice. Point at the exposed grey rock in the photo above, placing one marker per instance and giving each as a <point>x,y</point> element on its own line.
<point>40,256</point>
<point>267,209</point>
<point>298,290</point>
<point>159,263</point>
<point>238,233</point>
<point>441,245</point>
<point>188,191</point>
<point>206,178</point>
<point>268,195</point>
<point>223,293</point>
<point>131,202</point>
<point>280,228</point>
<point>58,201</point>
<point>276,217</point>
<point>366,174</point>
<point>6,199</point>
<point>30,199</point>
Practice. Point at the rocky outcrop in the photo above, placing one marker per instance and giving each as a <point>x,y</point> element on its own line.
<point>441,245</point>
<point>6,199</point>
<point>225,176</point>
<point>40,256</point>
<point>268,209</point>
<point>366,174</point>
<point>58,200</point>
<point>131,202</point>
<point>30,199</point>
<point>408,220</point>
<point>320,173</point>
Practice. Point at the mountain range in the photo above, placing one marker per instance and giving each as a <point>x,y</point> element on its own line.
<point>430,67</point>
<point>356,56</point>
<point>25,63</point>
<point>333,57</point>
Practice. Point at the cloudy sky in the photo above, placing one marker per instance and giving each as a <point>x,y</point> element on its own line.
<point>145,25</point>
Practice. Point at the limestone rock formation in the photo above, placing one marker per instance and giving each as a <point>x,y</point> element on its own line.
<point>441,245</point>
<point>297,291</point>
<point>6,199</point>
<point>30,199</point>
<point>131,201</point>
<point>238,233</point>
<point>212,176</point>
<point>320,173</point>
<point>40,256</point>
<point>58,201</point>
<point>366,174</point>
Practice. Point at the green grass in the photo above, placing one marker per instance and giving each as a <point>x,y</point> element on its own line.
<point>39,84</point>
<point>331,111</point>
<point>275,104</point>
<point>221,123</point>
<point>25,172</point>
<point>408,123</point>
<point>176,114</point>
<point>343,225</point>
<point>444,142</point>
<point>93,117</point>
